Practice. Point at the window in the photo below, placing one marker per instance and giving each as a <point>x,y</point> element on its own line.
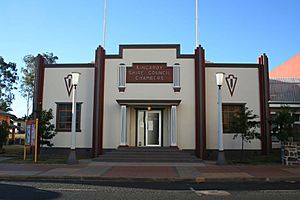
<point>64,117</point>
<point>176,77</point>
<point>122,77</point>
<point>228,111</point>
<point>297,117</point>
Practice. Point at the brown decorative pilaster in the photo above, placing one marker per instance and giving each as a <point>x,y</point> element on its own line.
<point>266,143</point>
<point>38,86</point>
<point>200,105</point>
<point>98,102</point>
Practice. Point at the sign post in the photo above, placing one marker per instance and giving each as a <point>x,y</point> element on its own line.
<point>25,139</point>
<point>31,137</point>
<point>36,140</point>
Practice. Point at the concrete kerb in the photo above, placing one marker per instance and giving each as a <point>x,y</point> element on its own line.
<point>130,179</point>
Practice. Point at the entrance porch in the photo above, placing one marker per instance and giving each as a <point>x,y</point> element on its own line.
<point>148,123</point>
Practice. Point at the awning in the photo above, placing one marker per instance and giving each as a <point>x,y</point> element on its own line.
<point>152,102</point>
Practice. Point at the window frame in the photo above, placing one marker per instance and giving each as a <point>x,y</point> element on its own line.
<point>176,77</point>
<point>225,130</point>
<point>297,119</point>
<point>122,77</point>
<point>78,113</point>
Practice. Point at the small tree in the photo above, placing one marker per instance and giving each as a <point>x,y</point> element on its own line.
<point>8,81</point>
<point>46,129</point>
<point>27,81</point>
<point>4,131</point>
<point>282,125</point>
<point>244,125</point>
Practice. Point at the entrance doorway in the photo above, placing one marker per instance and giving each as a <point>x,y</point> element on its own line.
<point>149,128</point>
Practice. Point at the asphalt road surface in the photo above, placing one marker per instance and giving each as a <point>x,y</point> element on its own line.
<point>89,190</point>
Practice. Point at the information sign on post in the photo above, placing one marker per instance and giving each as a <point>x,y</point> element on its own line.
<point>28,133</point>
<point>30,137</point>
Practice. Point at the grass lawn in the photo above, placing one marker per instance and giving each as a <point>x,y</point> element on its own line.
<point>16,153</point>
<point>13,150</point>
<point>273,158</point>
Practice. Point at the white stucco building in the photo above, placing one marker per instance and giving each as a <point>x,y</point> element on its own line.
<point>152,96</point>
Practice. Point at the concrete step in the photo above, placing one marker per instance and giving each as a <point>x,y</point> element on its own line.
<point>191,160</point>
<point>147,157</point>
<point>152,154</point>
<point>147,149</point>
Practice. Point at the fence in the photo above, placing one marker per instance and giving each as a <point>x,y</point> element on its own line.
<point>290,153</point>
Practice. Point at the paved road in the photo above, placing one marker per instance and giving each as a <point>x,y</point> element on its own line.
<point>148,190</point>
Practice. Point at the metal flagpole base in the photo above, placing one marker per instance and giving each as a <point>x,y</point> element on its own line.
<point>221,158</point>
<point>72,157</point>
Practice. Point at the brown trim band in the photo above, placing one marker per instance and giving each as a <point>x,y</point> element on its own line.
<point>148,102</point>
<point>150,46</point>
<point>231,65</point>
<point>84,65</point>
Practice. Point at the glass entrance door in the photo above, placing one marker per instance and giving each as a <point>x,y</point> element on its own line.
<point>149,128</point>
<point>153,130</point>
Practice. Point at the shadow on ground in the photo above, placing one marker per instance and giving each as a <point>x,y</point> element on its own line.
<point>9,191</point>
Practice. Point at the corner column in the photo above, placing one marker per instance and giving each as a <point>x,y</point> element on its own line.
<point>200,104</point>
<point>266,143</point>
<point>123,132</point>
<point>38,86</point>
<point>173,126</point>
<point>98,102</point>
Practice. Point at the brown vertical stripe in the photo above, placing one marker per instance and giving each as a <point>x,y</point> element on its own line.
<point>197,102</point>
<point>200,106</point>
<point>101,107</point>
<point>98,102</point>
<point>264,110</point>
<point>203,105</point>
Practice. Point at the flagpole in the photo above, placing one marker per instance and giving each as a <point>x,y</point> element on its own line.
<point>197,43</point>
<point>104,25</point>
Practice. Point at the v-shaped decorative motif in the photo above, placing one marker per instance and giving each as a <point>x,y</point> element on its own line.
<point>68,82</point>
<point>231,81</point>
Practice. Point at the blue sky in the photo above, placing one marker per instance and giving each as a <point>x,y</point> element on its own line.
<point>229,30</point>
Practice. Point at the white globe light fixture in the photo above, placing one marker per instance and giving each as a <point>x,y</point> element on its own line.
<point>219,78</point>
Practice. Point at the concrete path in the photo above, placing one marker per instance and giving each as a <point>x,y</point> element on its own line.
<point>2,158</point>
<point>196,172</point>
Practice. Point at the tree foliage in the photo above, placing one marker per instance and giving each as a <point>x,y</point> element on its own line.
<point>27,81</point>
<point>46,129</point>
<point>245,126</point>
<point>4,131</point>
<point>282,125</point>
<point>8,82</point>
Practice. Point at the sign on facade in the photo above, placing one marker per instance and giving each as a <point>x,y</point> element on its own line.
<point>149,73</point>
